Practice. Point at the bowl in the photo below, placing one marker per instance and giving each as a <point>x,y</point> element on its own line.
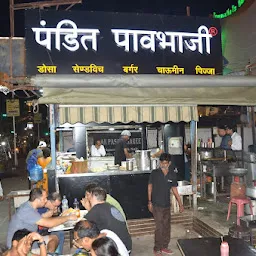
<point>238,171</point>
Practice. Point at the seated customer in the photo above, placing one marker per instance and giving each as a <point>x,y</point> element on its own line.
<point>110,200</point>
<point>21,244</point>
<point>105,216</point>
<point>27,217</point>
<point>85,233</point>
<point>50,209</point>
<point>104,246</point>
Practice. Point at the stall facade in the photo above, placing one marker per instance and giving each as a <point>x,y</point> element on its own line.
<point>122,68</point>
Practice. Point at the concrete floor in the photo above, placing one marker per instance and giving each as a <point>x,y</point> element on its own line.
<point>142,246</point>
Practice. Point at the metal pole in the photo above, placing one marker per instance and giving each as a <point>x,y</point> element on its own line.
<point>193,139</point>
<point>38,132</point>
<point>14,139</point>
<point>253,129</point>
<point>52,134</point>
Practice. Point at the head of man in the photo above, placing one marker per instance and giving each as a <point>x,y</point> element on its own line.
<point>42,144</point>
<point>98,195</point>
<point>53,201</point>
<point>221,131</point>
<point>84,234</point>
<point>38,197</point>
<point>230,129</point>
<point>104,246</point>
<point>46,152</point>
<point>126,135</point>
<point>97,143</point>
<point>88,189</point>
<point>18,240</point>
<point>165,161</point>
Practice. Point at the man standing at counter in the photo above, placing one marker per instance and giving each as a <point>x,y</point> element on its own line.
<point>236,140</point>
<point>225,138</point>
<point>121,149</point>
<point>161,180</point>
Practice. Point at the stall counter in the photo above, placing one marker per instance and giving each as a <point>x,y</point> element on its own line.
<point>129,188</point>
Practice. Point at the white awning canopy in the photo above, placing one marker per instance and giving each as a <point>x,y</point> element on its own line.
<point>145,98</point>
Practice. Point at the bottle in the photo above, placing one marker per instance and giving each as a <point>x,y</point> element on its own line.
<point>188,234</point>
<point>76,207</point>
<point>224,249</point>
<point>64,203</point>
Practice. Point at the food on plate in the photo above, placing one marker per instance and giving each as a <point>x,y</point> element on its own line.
<point>68,212</point>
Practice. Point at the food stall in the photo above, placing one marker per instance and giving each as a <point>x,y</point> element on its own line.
<point>160,85</point>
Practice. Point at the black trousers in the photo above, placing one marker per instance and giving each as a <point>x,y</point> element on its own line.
<point>162,218</point>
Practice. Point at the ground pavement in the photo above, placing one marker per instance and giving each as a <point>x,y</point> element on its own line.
<point>142,246</point>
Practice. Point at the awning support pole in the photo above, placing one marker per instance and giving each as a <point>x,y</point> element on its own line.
<point>193,139</point>
<point>253,129</point>
<point>52,134</point>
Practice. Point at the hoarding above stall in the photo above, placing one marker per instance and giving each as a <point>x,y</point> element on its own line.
<point>120,43</point>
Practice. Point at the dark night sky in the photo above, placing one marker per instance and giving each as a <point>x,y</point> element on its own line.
<point>172,7</point>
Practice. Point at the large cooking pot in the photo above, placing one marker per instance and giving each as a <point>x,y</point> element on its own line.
<point>143,160</point>
<point>205,154</point>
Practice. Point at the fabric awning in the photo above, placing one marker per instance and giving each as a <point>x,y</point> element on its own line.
<point>146,90</point>
<point>126,114</point>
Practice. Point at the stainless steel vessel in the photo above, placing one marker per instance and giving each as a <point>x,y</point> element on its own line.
<point>143,160</point>
<point>205,154</point>
<point>129,165</point>
<point>154,163</point>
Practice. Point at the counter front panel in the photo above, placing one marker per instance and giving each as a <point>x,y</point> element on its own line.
<point>129,189</point>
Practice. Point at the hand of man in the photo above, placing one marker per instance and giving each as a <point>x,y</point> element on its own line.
<point>181,208</point>
<point>35,236</point>
<point>86,204</point>
<point>150,207</point>
<point>230,143</point>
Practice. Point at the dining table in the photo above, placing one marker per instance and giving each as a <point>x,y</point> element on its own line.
<point>69,226</point>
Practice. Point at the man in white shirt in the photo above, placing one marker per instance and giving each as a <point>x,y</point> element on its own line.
<point>236,140</point>
<point>86,232</point>
<point>98,149</point>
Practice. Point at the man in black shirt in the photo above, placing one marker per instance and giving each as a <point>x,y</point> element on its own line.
<point>106,216</point>
<point>160,182</point>
<point>121,149</point>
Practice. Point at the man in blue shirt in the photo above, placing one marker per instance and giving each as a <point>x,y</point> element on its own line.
<point>225,137</point>
<point>50,209</point>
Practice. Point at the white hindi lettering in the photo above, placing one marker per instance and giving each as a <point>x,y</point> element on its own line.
<point>69,30</point>
<point>147,39</point>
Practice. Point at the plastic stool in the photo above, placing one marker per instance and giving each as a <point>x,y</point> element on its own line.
<point>240,202</point>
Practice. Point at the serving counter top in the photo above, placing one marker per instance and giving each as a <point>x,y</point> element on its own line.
<point>105,173</point>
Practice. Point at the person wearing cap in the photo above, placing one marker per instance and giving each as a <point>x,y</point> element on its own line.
<point>121,149</point>
<point>225,138</point>
<point>236,140</point>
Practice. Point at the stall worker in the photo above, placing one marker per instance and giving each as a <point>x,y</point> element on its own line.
<point>109,199</point>
<point>236,140</point>
<point>27,217</point>
<point>161,181</point>
<point>225,138</point>
<point>105,216</point>
<point>22,241</point>
<point>85,233</point>
<point>121,148</point>
<point>49,210</point>
<point>98,149</point>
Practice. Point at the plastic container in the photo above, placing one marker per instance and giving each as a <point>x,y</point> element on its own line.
<point>64,204</point>
<point>76,207</point>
